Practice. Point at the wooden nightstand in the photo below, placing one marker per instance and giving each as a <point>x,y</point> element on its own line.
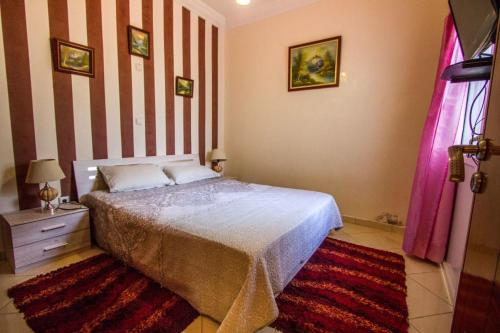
<point>32,236</point>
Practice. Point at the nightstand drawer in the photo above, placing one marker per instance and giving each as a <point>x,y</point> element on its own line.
<point>51,227</point>
<point>28,254</point>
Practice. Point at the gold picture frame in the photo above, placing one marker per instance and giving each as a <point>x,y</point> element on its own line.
<point>184,87</point>
<point>72,58</point>
<point>314,65</point>
<point>139,42</point>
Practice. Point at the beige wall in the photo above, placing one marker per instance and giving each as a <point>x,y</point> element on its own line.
<point>359,141</point>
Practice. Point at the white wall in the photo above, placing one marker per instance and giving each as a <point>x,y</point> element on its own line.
<point>359,141</point>
<point>453,264</point>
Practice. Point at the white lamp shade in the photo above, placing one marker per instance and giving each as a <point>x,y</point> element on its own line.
<point>218,155</point>
<point>42,171</point>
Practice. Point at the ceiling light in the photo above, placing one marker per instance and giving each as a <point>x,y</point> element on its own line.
<point>243,2</point>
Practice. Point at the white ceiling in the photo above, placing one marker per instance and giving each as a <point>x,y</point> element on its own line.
<point>237,15</point>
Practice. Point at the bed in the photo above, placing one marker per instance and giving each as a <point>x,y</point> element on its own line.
<point>228,247</point>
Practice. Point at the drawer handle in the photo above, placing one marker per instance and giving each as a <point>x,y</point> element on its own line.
<point>53,227</point>
<point>55,246</point>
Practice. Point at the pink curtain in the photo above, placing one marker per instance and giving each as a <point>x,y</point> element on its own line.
<point>432,198</point>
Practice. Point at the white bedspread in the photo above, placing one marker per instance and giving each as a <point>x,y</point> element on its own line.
<point>227,247</point>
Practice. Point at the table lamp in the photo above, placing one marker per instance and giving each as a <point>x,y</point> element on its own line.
<point>218,155</point>
<point>45,171</point>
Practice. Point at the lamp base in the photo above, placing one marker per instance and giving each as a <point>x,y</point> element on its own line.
<point>218,168</point>
<point>47,194</point>
<point>49,208</point>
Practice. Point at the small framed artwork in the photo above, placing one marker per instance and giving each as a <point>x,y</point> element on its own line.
<point>72,58</point>
<point>314,65</point>
<point>138,42</point>
<point>184,87</point>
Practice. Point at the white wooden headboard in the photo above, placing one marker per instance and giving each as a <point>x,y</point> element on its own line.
<point>86,171</point>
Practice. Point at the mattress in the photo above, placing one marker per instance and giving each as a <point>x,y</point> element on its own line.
<point>229,248</point>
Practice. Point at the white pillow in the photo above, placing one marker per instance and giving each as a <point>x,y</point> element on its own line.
<point>188,174</point>
<point>133,177</point>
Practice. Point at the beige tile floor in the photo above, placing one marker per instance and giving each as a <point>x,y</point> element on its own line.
<point>430,310</point>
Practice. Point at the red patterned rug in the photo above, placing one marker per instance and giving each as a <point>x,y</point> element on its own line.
<point>100,294</point>
<point>344,288</point>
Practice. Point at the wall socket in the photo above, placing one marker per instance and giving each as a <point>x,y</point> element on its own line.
<point>63,200</point>
<point>389,219</point>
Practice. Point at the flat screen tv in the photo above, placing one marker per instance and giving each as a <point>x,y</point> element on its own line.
<point>475,21</point>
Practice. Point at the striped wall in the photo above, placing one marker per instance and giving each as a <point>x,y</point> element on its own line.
<point>128,109</point>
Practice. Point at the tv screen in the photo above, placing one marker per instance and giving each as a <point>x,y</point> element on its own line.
<point>475,21</point>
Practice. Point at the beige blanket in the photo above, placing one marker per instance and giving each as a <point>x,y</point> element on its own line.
<point>227,247</point>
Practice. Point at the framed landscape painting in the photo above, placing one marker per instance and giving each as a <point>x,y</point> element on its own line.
<point>138,42</point>
<point>72,58</point>
<point>184,87</point>
<point>314,65</point>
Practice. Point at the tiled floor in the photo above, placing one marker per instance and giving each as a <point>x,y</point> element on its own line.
<point>429,307</point>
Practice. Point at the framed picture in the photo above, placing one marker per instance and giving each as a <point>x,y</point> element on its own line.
<point>138,42</point>
<point>314,65</point>
<point>184,87</point>
<point>72,58</point>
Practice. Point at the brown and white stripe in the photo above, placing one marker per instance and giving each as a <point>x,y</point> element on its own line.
<point>202,88</point>
<point>128,109</point>
<point>168,23</point>
<point>17,69</point>
<point>125,78</point>
<point>149,81</point>
<point>215,86</point>
<point>186,69</point>
<point>8,188</point>
<point>97,92</point>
